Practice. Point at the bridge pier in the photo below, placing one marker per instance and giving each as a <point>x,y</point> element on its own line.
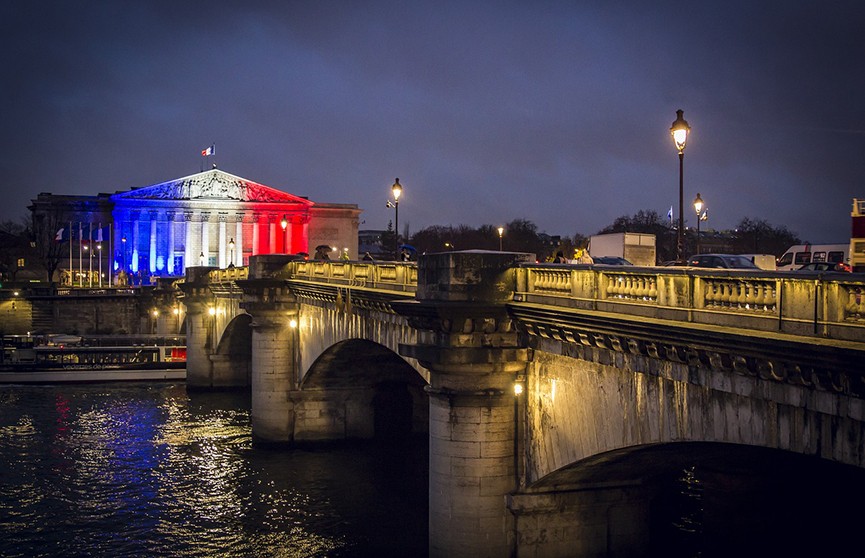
<point>472,352</point>
<point>200,334</point>
<point>275,364</point>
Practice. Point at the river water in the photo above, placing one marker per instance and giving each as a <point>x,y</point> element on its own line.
<point>151,470</point>
<point>148,469</point>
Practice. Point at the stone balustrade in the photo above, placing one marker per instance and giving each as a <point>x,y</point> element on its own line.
<point>824,304</point>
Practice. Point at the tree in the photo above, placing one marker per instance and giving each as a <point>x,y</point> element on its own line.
<point>388,239</point>
<point>49,250</point>
<point>519,236</point>
<point>756,236</point>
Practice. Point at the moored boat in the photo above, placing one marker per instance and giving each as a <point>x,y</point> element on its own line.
<point>42,359</point>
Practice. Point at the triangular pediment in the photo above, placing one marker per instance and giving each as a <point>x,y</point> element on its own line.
<point>213,184</point>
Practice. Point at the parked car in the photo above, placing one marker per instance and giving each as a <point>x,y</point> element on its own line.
<point>611,260</point>
<point>825,266</point>
<point>721,261</point>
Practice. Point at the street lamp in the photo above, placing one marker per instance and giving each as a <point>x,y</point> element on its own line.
<point>231,252</point>
<point>501,232</point>
<point>680,131</point>
<point>284,222</point>
<point>123,252</point>
<point>99,250</point>
<point>397,191</point>
<point>698,207</point>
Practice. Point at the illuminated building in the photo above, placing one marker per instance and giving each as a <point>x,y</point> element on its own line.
<point>211,218</point>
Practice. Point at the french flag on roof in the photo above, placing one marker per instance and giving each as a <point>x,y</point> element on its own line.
<point>209,151</point>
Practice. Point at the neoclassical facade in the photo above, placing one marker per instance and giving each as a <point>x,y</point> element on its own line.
<point>211,218</point>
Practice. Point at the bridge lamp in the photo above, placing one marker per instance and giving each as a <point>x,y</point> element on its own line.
<point>284,222</point>
<point>680,130</point>
<point>396,189</point>
<point>292,323</point>
<point>518,388</point>
<point>501,232</point>
<point>211,310</point>
<point>698,207</point>
<point>231,252</point>
<point>155,313</point>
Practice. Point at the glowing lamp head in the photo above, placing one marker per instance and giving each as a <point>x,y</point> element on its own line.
<point>680,131</point>
<point>284,222</point>
<point>292,323</point>
<point>518,388</point>
<point>698,204</point>
<point>211,311</point>
<point>501,231</point>
<point>396,189</point>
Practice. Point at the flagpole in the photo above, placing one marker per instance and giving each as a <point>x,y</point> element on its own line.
<point>71,270</point>
<point>100,254</point>
<point>89,255</point>
<point>111,251</point>
<point>80,257</point>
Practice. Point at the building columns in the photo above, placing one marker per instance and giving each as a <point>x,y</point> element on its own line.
<point>238,242</point>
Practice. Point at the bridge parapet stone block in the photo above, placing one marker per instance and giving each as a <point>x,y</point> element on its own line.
<point>269,266</point>
<point>469,276</point>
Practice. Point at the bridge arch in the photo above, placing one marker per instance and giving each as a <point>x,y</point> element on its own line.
<point>233,355</point>
<point>697,498</point>
<point>371,391</point>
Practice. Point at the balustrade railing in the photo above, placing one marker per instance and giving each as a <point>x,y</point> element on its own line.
<point>391,276</point>
<point>828,305</point>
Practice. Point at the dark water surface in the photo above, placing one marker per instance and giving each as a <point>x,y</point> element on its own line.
<point>151,470</point>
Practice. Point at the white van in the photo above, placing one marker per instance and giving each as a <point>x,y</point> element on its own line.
<point>801,254</point>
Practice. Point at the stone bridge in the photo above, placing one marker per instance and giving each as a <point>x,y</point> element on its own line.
<point>554,396</point>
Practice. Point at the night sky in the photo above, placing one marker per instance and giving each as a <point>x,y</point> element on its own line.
<point>554,112</point>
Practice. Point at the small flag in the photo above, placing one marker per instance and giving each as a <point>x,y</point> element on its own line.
<point>62,235</point>
<point>101,234</point>
<point>670,214</point>
<point>209,151</point>
<point>705,215</point>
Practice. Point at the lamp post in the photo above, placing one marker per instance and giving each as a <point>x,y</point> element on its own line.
<point>680,131</point>
<point>231,252</point>
<point>396,189</point>
<point>501,232</point>
<point>698,207</point>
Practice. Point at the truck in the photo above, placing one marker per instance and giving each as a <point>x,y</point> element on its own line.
<point>857,236</point>
<point>637,248</point>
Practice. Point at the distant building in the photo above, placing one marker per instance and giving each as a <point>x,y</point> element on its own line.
<point>371,241</point>
<point>212,218</point>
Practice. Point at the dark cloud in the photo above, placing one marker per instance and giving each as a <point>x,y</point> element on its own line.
<point>557,112</point>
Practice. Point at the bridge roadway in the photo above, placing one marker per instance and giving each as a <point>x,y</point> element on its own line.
<point>627,374</point>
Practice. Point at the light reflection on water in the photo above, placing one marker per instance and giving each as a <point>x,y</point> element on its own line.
<point>147,470</point>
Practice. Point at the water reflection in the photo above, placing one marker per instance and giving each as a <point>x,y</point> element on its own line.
<point>147,470</point>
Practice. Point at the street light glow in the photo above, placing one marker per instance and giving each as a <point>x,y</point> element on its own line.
<point>680,131</point>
